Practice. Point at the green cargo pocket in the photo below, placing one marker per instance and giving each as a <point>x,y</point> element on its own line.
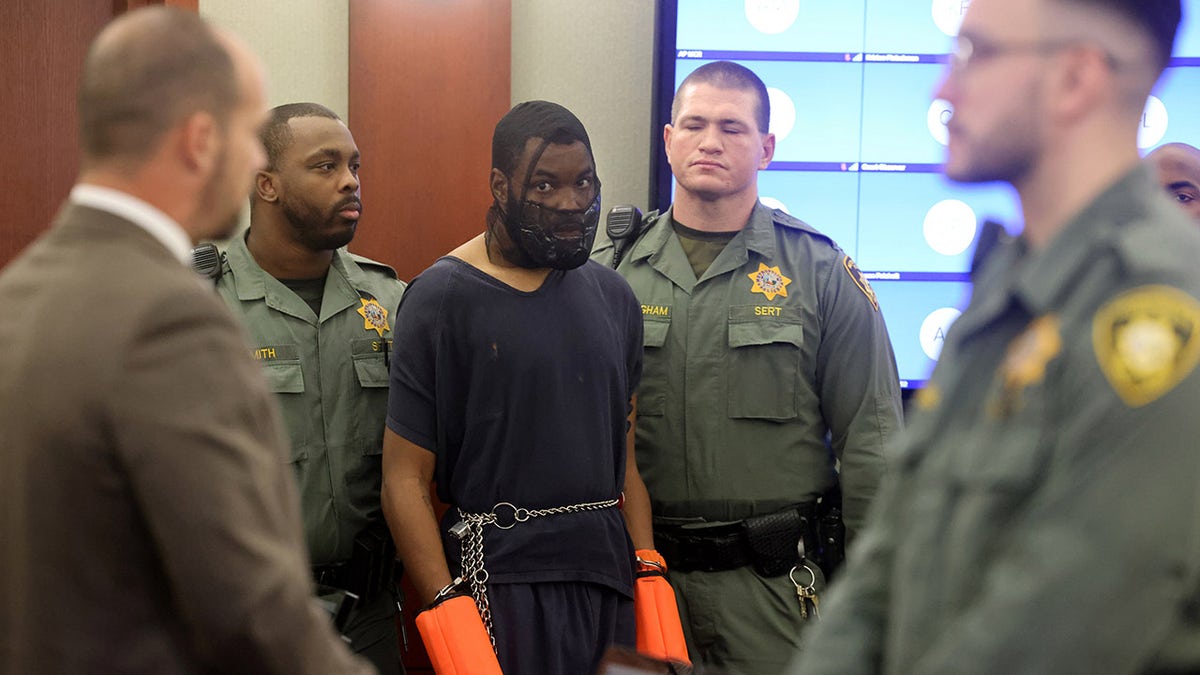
<point>371,370</point>
<point>372,375</point>
<point>652,395</point>
<point>764,367</point>
<point>284,378</point>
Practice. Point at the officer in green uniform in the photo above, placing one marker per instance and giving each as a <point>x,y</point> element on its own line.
<point>319,320</point>
<point>1041,515</point>
<point>766,360</point>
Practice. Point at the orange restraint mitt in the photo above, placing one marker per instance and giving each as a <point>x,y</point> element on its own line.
<point>454,637</point>
<point>659,631</point>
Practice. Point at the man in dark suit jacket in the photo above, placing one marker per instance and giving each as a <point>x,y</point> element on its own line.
<point>148,519</point>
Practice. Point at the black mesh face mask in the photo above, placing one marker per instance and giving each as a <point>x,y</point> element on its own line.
<point>543,236</point>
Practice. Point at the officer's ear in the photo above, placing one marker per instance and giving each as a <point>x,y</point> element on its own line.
<point>264,186</point>
<point>499,184</point>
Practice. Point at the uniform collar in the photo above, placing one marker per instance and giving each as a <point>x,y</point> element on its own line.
<point>1036,281</point>
<point>1050,273</point>
<point>251,282</point>
<point>661,246</point>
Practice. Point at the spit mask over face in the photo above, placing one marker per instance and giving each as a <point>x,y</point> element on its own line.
<point>537,235</point>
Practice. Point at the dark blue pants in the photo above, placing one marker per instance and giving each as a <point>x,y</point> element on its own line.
<point>559,628</point>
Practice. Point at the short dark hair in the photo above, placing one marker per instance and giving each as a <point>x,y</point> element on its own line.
<point>729,75</point>
<point>145,73</point>
<point>1158,19</point>
<point>276,135</point>
<point>548,121</point>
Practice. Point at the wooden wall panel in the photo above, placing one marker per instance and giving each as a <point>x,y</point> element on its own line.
<point>122,6</point>
<point>43,44</point>
<point>429,79</point>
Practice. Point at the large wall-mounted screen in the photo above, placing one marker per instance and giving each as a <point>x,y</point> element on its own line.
<point>860,138</point>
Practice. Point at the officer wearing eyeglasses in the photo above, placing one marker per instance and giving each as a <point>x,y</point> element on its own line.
<point>1042,514</point>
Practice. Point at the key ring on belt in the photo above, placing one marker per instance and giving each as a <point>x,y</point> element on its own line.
<point>469,532</point>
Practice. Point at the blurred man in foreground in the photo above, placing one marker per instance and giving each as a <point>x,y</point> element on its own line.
<point>149,522</point>
<point>1042,513</point>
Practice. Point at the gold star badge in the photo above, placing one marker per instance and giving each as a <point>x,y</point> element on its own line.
<point>929,397</point>
<point>1025,362</point>
<point>374,316</point>
<point>769,281</point>
<point>1145,341</point>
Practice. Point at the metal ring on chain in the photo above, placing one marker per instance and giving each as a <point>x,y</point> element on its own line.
<point>472,546</point>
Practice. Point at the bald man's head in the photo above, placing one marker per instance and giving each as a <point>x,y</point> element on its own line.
<point>146,72</point>
<point>1177,166</point>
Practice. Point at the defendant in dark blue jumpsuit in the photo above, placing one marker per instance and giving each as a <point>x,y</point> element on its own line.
<point>515,362</point>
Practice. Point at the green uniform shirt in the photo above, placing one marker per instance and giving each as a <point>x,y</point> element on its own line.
<point>748,367</point>
<point>1043,503</point>
<point>330,375</point>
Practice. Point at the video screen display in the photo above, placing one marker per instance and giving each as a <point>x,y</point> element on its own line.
<point>860,139</point>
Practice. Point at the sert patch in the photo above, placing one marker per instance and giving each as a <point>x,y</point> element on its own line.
<point>1145,341</point>
<point>769,281</point>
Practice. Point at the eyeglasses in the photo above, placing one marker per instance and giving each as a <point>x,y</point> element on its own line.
<point>968,51</point>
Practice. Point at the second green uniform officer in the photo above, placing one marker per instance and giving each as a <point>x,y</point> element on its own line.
<point>320,323</point>
<point>761,338</point>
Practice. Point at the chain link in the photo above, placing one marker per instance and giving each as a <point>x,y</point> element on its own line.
<point>471,542</point>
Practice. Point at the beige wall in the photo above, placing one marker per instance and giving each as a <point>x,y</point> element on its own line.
<point>596,58</point>
<point>302,42</point>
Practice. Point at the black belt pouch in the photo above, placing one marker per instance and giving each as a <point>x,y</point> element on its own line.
<point>772,539</point>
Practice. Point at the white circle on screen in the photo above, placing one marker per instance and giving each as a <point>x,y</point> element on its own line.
<point>1153,124</point>
<point>772,203</point>
<point>772,16</point>
<point>783,113</point>
<point>933,330</point>
<point>936,119</point>
<point>948,15</point>
<point>950,226</point>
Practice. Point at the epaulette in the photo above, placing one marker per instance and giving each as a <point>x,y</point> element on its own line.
<point>780,217</point>
<point>373,264</point>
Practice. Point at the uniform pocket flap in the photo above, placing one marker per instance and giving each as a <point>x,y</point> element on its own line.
<point>284,378</point>
<point>765,332</point>
<point>371,370</point>
<point>654,331</point>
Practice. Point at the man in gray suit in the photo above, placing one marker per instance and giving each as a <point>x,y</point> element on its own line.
<point>148,519</point>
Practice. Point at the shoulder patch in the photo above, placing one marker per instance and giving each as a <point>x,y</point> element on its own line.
<point>1146,341</point>
<point>859,280</point>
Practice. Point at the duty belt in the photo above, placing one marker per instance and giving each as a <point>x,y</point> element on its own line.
<point>337,576</point>
<point>371,567</point>
<point>469,532</point>
<point>772,543</point>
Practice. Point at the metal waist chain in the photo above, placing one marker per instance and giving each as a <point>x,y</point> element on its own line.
<point>469,532</point>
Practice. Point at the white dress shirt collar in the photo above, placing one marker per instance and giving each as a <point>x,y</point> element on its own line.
<point>161,226</point>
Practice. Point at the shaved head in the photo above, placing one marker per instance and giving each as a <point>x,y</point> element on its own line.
<point>1177,167</point>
